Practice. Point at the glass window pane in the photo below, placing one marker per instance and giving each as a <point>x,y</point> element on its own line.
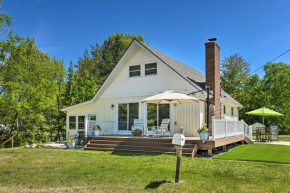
<point>163,112</point>
<point>81,119</point>
<point>136,73</point>
<point>81,126</point>
<point>72,125</point>
<point>151,116</point>
<point>152,65</point>
<point>122,124</point>
<point>134,68</point>
<point>133,113</point>
<point>151,71</point>
<point>72,118</point>
<point>93,118</point>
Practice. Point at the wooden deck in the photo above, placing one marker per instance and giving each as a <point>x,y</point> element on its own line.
<point>157,145</point>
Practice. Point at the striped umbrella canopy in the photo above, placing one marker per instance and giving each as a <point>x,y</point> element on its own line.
<point>264,112</point>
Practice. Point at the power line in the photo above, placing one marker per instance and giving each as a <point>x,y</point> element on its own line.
<point>270,61</point>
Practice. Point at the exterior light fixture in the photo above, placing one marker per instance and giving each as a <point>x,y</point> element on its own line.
<point>112,106</point>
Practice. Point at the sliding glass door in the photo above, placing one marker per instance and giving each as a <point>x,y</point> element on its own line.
<point>155,114</point>
<point>127,112</point>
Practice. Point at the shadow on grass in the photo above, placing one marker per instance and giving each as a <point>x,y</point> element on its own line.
<point>121,153</point>
<point>155,185</point>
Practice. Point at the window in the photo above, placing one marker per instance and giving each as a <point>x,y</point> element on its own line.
<point>225,110</point>
<point>92,121</point>
<point>81,122</point>
<point>134,70</point>
<point>72,122</point>
<point>150,69</point>
<point>232,111</point>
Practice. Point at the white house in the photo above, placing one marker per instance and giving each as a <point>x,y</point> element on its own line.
<point>142,72</point>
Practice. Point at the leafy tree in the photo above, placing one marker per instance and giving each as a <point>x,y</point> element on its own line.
<point>276,92</point>
<point>234,70</point>
<point>5,21</point>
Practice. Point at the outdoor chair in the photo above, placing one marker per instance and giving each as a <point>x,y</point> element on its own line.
<point>274,135</point>
<point>138,128</point>
<point>162,129</point>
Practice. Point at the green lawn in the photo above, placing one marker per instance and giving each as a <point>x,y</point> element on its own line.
<point>43,170</point>
<point>284,137</point>
<point>258,152</point>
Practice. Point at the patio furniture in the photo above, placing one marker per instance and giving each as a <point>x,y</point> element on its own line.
<point>138,128</point>
<point>162,129</point>
<point>274,135</point>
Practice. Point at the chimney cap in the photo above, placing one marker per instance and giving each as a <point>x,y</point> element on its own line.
<point>212,39</point>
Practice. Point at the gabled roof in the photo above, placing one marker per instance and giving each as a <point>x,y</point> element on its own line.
<point>192,76</point>
<point>195,77</point>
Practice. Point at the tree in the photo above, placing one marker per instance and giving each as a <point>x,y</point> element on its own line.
<point>276,92</point>
<point>5,21</point>
<point>234,71</point>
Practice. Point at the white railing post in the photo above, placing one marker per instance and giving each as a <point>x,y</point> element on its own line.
<point>251,135</point>
<point>213,128</point>
<point>86,127</point>
<point>236,128</point>
<point>226,128</point>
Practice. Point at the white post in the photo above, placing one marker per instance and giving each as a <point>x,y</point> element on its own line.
<point>226,128</point>
<point>251,135</point>
<point>236,128</point>
<point>213,128</point>
<point>86,127</point>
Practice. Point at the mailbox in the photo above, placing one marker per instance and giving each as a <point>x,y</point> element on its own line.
<point>178,139</point>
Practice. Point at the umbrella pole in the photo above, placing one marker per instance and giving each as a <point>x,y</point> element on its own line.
<point>263,120</point>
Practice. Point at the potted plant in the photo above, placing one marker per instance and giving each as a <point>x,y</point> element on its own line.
<point>203,132</point>
<point>97,130</point>
<point>70,143</point>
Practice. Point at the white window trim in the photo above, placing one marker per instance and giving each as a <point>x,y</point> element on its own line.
<point>135,71</point>
<point>117,112</point>
<point>150,69</point>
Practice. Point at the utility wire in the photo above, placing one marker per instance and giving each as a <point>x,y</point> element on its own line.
<point>270,61</point>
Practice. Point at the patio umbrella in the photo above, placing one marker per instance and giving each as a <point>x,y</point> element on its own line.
<point>264,112</point>
<point>170,97</point>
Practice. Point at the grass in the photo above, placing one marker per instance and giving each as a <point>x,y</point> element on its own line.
<point>259,152</point>
<point>284,138</point>
<point>44,170</point>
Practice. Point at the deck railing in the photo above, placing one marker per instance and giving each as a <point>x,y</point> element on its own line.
<point>225,128</point>
<point>107,127</point>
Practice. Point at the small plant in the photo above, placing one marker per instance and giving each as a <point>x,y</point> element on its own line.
<point>97,128</point>
<point>203,128</point>
<point>70,140</point>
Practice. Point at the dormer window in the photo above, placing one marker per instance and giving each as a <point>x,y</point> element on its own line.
<point>134,71</point>
<point>150,69</point>
<point>232,111</point>
<point>225,109</point>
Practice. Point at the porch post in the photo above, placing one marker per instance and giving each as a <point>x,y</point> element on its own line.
<point>226,128</point>
<point>86,127</point>
<point>236,129</point>
<point>213,128</point>
<point>250,132</point>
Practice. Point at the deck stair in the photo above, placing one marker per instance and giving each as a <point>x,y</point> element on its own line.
<point>129,144</point>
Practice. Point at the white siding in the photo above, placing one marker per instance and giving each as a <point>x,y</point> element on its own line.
<point>228,114</point>
<point>185,115</point>
<point>124,86</point>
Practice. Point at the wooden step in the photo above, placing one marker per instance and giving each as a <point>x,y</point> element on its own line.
<point>130,150</point>
<point>146,148</point>
<point>138,143</point>
<point>248,141</point>
<point>131,139</point>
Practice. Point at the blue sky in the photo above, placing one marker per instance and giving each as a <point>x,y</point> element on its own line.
<point>258,30</point>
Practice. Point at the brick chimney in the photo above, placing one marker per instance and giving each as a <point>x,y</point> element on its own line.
<point>212,62</point>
